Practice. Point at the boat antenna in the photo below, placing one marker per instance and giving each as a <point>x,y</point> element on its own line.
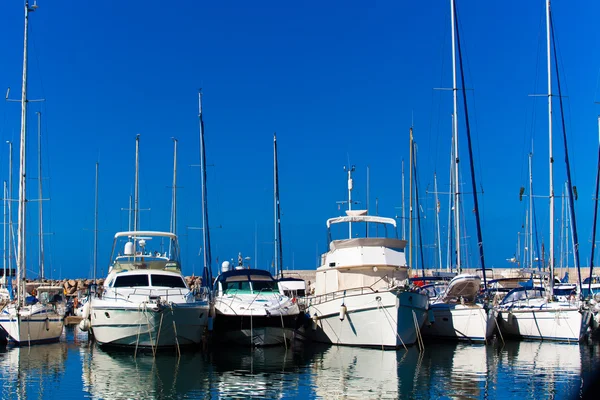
<point>136,195</point>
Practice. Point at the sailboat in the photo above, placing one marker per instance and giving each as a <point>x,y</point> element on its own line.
<point>251,306</point>
<point>459,313</point>
<point>146,301</point>
<point>28,319</point>
<point>536,313</point>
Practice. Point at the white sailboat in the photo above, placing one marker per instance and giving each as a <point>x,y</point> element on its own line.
<point>458,313</point>
<point>28,320</point>
<point>146,301</point>
<point>536,313</point>
<point>362,295</point>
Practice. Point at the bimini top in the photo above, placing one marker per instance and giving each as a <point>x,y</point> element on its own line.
<point>361,218</point>
<point>141,234</point>
<point>245,275</point>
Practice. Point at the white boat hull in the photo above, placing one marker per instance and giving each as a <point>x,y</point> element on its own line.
<point>34,324</point>
<point>380,319</point>
<point>550,321</point>
<point>149,326</point>
<point>460,322</point>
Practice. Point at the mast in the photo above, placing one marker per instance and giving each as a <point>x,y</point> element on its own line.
<point>4,237</point>
<point>136,195</point>
<point>450,198</point>
<point>530,211</point>
<point>410,207</point>
<point>455,132</point>
<point>570,188</point>
<point>437,220</point>
<point>420,231</point>
<point>10,199</point>
<point>551,157</point>
<point>207,271</point>
<point>174,190</point>
<point>40,193</point>
<point>368,193</point>
<point>595,214</point>
<point>278,244</point>
<point>21,270</point>
<point>96,224</point>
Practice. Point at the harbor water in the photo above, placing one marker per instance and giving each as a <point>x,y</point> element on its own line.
<point>76,368</point>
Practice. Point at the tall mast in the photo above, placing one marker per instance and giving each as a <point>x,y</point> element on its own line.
<point>278,244</point>
<point>174,190</point>
<point>455,123</point>
<point>5,195</point>
<point>96,224</point>
<point>595,214</point>
<point>368,193</point>
<point>449,257</point>
<point>21,272</point>
<point>437,221</point>
<point>10,199</point>
<point>410,197</point>
<point>136,190</point>
<point>551,157</point>
<point>530,211</point>
<point>207,271</point>
<point>40,194</point>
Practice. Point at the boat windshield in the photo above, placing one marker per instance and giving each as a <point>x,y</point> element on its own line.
<point>523,294</point>
<point>131,281</point>
<point>169,281</point>
<point>249,284</point>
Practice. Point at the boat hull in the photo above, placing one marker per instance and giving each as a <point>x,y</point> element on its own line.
<point>255,331</point>
<point>151,327</point>
<point>386,319</point>
<point>470,322</point>
<point>551,321</point>
<point>30,325</point>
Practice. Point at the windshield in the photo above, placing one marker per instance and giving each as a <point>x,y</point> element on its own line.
<point>131,281</point>
<point>523,294</point>
<point>169,281</point>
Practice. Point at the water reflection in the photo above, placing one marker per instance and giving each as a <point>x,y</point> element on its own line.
<point>31,371</point>
<point>121,375</point>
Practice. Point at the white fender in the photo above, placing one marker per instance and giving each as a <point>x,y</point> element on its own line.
<point>342,312</point>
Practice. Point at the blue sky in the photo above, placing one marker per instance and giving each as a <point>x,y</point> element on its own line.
<point>340,82</point>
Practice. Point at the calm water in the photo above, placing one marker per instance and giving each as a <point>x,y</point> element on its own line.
<point>76,369</point>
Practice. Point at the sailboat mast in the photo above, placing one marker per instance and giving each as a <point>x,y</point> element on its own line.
<point>595,215</point>
<point>455,132</point>
<point>96,224</point>
<point>4,193</point>
<point>551,157</point>
<point>136,190</point>
<point>449,257</point>
<point>21,273</point>
<point>10,216</point>
<point>40,194</point>
<point>207,271</point>
<point>530,211</point>
<point>437,221</point>
<point>174,190</point>
<point>410,198</point>
<point>278,244</point>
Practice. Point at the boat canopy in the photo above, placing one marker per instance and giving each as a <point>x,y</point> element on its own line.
<point>143,234</point>
<point>361,218</point>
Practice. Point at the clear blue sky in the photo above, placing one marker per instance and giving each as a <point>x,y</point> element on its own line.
<point>339,81</point>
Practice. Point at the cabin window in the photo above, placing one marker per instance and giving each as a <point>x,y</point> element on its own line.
<point>131,281</point>
<point>167,281</point>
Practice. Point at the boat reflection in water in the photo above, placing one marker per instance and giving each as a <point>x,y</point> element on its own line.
<point>542,367</point>
<point>264,372</point>
<point>121,375</point>
<point>28,368</point>
<point>351,372</point>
